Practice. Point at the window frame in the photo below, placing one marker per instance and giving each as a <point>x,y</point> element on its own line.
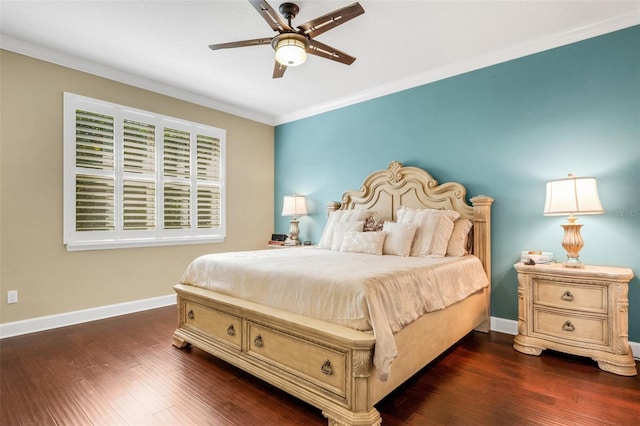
<point>76,240</point>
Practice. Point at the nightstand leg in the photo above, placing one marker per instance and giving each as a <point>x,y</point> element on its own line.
<point>527,349</point>
<point>621,369</point>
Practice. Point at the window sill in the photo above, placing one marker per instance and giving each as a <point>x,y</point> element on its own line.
<point>121,244</point>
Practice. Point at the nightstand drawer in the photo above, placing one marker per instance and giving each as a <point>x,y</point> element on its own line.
<point>592,330</point>
<point>586,298</point>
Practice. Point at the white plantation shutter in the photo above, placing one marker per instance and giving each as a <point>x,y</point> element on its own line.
<point>139,147</point>
<point>139,167</point>
<point>208,207</point>
<point>94,140</point>
<point>177,174</point>
<point>208,195</point>
<point>94,162</point>
<point>135,178</point>
<point>177,153</point>
<point>139,206</point>
<point>177,206</point>
<point>208,158</point>
<point>94,203</point>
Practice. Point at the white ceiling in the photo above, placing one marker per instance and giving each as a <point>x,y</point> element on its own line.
<point>162,45</point>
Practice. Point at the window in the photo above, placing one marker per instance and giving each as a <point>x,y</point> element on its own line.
<point>133,178</point>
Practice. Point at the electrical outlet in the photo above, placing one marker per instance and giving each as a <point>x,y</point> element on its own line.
<point>12,296</point>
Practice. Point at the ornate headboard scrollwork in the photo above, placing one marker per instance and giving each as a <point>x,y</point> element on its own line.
<point>406,186</point>
<point>385,190</point>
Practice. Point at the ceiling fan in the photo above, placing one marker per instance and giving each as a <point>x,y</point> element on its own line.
<point>292,45</point>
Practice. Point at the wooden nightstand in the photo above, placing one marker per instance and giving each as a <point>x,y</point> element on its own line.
<point>278,246</point>
<point>578,311</point>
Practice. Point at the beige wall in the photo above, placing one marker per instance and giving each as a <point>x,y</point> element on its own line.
<point>34,261</point>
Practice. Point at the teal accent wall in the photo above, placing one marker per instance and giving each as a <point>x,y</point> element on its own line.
<point>502,131</point>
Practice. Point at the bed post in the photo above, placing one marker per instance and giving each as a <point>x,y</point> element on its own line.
<point>482,230</point>
<point>482,246</point>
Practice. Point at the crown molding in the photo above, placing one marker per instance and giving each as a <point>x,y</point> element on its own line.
<point>83,65</point>
<point>471,64</point>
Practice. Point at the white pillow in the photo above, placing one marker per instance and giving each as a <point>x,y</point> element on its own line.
<point>434,228</point>
<point>458,242</point>
<point>399,238</point>
<point>409,214</point>
<point>340,216</point>
<point>339,229</point>
<point>406,214</point>
<point>363,242</point>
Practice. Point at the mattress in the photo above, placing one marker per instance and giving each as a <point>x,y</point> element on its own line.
<point>378,294</point>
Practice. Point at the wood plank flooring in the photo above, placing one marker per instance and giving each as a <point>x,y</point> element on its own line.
<point>124,371</point>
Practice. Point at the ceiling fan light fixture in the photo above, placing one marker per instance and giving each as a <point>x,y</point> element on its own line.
<point>291,49</point>
<point>292,44</point>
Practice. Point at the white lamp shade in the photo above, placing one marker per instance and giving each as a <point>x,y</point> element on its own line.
<point>294,205</point>
<point>291,52</point>
<point>572,196</point>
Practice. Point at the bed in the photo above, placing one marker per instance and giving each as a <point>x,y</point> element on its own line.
<point>347,362</point>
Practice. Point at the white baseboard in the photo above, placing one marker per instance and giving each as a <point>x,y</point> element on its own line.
<point>502,325</point>
<point>17,328</point>
<point>635,348</point>
<point>506,326</point>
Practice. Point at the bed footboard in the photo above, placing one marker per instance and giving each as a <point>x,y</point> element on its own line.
<point>326,365</point>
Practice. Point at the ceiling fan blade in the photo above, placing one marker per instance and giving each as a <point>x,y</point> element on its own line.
<point>328,52</point>
<point>331,20</point>
<point>278,70</point>
<point>270,15</point>
<point>243,43</point>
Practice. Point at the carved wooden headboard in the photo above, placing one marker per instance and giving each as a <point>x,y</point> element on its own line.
<point>385,190</point>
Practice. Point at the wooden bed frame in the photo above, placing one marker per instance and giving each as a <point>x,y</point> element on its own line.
<point>327,365</point>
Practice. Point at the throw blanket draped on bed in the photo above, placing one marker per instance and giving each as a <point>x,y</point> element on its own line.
<point>381,294</point>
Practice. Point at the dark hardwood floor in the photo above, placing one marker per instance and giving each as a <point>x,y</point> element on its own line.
<point>124,371</point>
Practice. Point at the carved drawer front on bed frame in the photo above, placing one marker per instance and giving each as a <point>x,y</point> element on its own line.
<point>214,323</point>
<point>307,360</point>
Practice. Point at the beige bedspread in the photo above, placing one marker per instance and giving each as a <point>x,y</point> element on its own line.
<point>381,294</point>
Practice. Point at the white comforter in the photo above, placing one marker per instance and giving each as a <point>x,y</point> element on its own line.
<point>381,294</point>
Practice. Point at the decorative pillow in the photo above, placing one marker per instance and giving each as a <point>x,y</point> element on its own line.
<point>399,238</point>
<point>341,216</point>
<point>339,229</point>
<point>406,214</point>
<point>373,225</point>
<point>459,237</point>
<point>434,228</point>
<point>363,242</point>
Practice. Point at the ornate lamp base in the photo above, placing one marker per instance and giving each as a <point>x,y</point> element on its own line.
<point>572,243</point>
<point>294,231</point>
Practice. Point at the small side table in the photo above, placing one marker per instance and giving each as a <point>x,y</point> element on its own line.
<point>578,311</point>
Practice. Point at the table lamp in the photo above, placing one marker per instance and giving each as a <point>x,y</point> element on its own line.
<point>572,196</point>
<point>294,205</point>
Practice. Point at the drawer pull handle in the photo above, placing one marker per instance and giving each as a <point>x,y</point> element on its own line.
<point>567,296</point>
<point>191,315</point>
<point>567,326</point>
<point>327,368</point>
<point>257,342</point>
<point>231,331</point>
